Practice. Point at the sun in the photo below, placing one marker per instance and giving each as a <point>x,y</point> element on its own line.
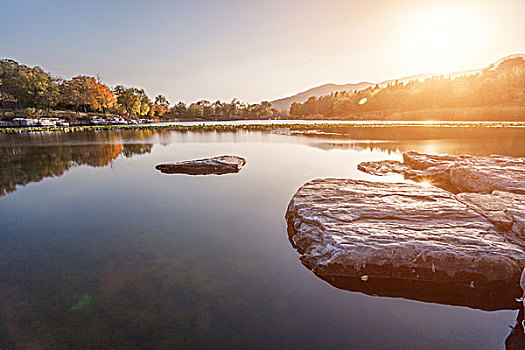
<point>441,38</point>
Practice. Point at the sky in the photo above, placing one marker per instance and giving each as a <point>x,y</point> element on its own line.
<point>256,50</point>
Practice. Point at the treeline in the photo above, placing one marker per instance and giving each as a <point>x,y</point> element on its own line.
<point>206,109</point>
<point>499,84</point>
<point>23,87</point>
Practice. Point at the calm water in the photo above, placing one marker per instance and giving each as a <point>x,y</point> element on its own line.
<point>100,250</point>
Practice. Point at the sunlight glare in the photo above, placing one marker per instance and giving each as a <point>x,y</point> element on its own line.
<point>441,38</point>
<point>425,183</point>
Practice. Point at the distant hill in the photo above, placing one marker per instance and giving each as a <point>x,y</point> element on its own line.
<point>494,93</point>
<point>327,89</point>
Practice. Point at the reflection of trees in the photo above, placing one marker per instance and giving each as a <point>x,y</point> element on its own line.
<point>457,140</point>
<point>54,155</point>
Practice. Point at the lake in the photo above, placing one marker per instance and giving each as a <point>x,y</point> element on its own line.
<point>100,250</point>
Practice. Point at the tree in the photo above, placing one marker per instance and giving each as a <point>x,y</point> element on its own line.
<point>160,107</point>
<point>131,101</point>
<point>26,86</point>
<point>296,109</point>
<point>179,109</point>
<point>195,110</point>
<point>161,100</point>
<point>232,108</point>
<point>103,97</point>
<point>78,92</point>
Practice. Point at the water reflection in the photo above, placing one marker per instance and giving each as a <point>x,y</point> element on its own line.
<point>474,141</point>
<point>488,299</point>
<point>126,257</point>
<point>23,163</point>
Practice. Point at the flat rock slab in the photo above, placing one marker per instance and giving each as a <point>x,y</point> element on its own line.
<point>216,165</point>
<point>505,210</point>
<point>353,228</point>
<point>487,174</point>
<point>457,173</point>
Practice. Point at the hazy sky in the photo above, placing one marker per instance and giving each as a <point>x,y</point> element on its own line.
<point>256,50</point>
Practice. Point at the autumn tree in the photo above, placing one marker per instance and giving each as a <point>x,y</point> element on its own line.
<point>131,101</point>
<point>195,110</point>
<point>104,98</point>
<point>161,100</point>
<point>27,86</point>
<point>160,107</point>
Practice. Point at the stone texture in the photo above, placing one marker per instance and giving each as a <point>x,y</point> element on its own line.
<point>506,210</point>
<point>457,173</point>
<point>349,228</point>
<point>487,174</point>
<point>384,167</point>
<point>421,161</point>
<point>216,165</point>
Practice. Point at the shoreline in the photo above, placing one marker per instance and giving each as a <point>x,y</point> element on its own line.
<point>301,125</point>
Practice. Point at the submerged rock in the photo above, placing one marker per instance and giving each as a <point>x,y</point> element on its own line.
<point>352,228</point>
<point>216,165</point>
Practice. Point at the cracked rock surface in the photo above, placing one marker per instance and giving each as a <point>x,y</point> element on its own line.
<point>457,173</point>
<point>398,230</point>
<point>506,210</point>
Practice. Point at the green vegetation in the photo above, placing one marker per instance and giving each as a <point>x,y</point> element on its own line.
<point>496,93</point>
<point>31,91</point>
<point>206,110</point>
<point>268,127</point>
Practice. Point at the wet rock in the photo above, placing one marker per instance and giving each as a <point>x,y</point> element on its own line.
<point>351,228</point>
<point>457,173</point>
<point>384,167</point>
<point>438,175</point>
<point>216,165</point>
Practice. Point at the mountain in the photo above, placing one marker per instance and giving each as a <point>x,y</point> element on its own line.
<point>327,89</point>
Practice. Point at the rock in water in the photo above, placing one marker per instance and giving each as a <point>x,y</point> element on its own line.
<point>506,210</point>
<point>457,173</point>
<point>344,227</point>
<point>487,174</point>
<point>216,165</point>
<point>383,167</point>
